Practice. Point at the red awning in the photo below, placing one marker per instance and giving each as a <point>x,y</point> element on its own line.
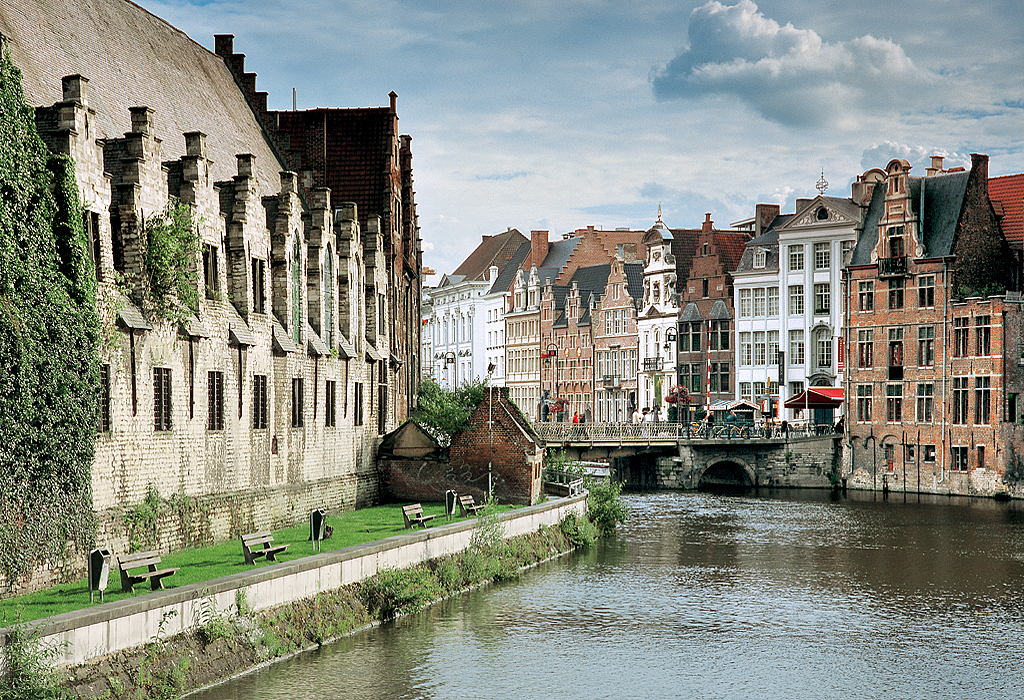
<point>818,397</point>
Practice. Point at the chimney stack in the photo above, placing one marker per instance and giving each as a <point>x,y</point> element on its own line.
<point>538,247</point>
<point>936,167</point>
<point>708,223</point>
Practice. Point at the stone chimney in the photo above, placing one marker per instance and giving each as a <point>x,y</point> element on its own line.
<point>75,88</point>
<point>800,204</point>
<point>936,166</point>
<point>708,223</point>
<point>394,100</point>
<point>538,247</point>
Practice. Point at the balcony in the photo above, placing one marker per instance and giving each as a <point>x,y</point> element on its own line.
<point>611,381</point>
<point>654,364</point>
<point>893,267</point>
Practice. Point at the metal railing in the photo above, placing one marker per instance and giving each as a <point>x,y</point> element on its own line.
<point>572,483</point>
<point>892,266</point>
<point>663,432</point>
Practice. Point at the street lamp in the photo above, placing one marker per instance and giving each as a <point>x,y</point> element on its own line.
<point>449,359</point>
<point>490,427</point>
<point>549,352</point>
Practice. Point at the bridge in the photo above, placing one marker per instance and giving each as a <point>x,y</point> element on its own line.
<point>684,456</point>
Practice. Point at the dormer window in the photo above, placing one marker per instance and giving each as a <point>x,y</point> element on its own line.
<point>896,245</point>
<point>759,258</point>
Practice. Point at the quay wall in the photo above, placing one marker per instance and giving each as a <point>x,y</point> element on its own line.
<point>91,633</point>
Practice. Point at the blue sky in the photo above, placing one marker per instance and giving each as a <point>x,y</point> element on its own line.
<point>558,115</point>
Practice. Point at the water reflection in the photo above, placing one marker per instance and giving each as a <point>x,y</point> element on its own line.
<point>786,594</point>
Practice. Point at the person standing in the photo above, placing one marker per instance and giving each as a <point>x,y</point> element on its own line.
<point>637,417</point>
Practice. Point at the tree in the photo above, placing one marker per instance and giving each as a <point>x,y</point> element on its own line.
<point>443,413</point>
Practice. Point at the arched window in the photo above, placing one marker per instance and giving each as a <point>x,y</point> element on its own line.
<point>297,290</point>
<point>328,329</point>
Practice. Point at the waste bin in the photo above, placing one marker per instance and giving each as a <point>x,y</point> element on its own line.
<point>317,525</point>
<point>451,500</point>
<point>99,571</point>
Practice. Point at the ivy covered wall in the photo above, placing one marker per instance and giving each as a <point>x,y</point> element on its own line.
<point>49,330</point>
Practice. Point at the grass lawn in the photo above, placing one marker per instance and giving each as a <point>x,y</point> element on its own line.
<point>224,559</point>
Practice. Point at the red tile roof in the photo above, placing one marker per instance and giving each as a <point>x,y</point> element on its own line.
<point>1008,191</point>
<point>493,250</point>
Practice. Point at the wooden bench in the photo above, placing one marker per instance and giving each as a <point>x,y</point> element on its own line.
<point>153,574</point>
<point>468,505</point>
<point>252,550</point>
<point>413,514</point>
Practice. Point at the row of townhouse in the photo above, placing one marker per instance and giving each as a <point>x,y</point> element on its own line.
<point>773,310</point>
<point>270,398</point>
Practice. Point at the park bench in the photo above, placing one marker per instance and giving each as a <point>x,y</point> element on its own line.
<point>413,514</point>
<point>153,574</point>
<point>260,544</point>
<point>468,506</point>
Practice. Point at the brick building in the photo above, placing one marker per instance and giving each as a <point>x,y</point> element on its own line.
<point>616,342</point>
<point>706,342</point>
<point>269,399</point>
<point>933,327</point>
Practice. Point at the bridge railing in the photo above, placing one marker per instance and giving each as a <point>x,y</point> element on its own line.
<point>644,433</point>
<point>572,483</point>
<point>610,432</point>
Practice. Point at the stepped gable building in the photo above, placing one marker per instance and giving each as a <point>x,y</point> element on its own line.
<point>550,262</point>
<point>616,342</point>
<point>1007,196</point>
<point>705,365</point>
<point>359,155</point>
<point>567,341</point>
<point>269,399</point>
<point>934,328</point>
<point>455,332</point>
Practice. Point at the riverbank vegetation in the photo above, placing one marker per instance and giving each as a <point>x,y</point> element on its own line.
<point>226,642</point>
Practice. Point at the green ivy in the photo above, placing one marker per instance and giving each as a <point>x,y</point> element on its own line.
<point>49,330</point>
<point>173,245</point>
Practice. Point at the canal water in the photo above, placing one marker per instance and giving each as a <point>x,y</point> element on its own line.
<point>781,595</point>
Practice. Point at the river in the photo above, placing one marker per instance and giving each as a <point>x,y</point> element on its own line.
<point>781,595</point>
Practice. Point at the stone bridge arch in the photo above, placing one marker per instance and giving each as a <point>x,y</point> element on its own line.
<point>728,471</point>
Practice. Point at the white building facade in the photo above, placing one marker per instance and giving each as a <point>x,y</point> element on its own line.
<point>657,323</point>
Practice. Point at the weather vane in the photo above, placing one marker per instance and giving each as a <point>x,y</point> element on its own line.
<point>822,184</point>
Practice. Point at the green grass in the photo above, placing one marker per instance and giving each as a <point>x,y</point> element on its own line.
<point>224,559</point>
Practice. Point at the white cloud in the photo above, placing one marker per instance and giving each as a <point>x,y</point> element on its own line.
<point>788,75</point>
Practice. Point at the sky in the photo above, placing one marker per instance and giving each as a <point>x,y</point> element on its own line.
<point>557,115</point>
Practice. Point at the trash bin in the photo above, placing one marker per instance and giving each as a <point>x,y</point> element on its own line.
<point>451,500</point>
<point>99,571</point>
<point>317,524</point>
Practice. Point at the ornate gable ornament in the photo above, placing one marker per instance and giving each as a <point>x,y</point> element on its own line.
<point>817,214</point>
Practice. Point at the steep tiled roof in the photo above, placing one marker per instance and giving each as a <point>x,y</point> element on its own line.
<point>356,145</point>
<point>557,257</point>
<point>1008,193</point>
<point>634,281</point>
<point>730,246</point>
<point>507,272</point>
<point>943,197</point>
<point>493,250</point>
<point>684,245</point>
<point>134,59</point>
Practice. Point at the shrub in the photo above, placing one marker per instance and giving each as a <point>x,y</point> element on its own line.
<point>605,506</point>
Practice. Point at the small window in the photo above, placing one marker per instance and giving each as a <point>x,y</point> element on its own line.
<point>259,402</point>
<point>759,258</point>
<point>259,286</point>
<point>210,270</point>
<point>329,403</point>
<point>161,398</point>
<point>822,214</point>
<point>297,402</point>
<point>104,399</point>
<point>215,401</point>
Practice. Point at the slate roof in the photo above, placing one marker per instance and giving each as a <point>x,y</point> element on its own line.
<point>1007,195</point>
<point>558,256</point>
<point>943,197</point>
<point>589,281</point>
<point>135,59</point>
<point>769,240</point>
<point>493,250</point>
<point>507,272</point>
<point>634,281</point>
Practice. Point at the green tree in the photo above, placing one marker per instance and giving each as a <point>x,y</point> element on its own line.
<point>49,331</point>
<point>443,413</point>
